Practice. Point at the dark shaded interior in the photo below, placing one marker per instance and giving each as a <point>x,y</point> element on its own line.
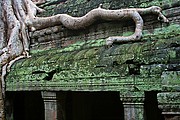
<point>25,106</point>
<point>94,106</point>
<point>152,112</point>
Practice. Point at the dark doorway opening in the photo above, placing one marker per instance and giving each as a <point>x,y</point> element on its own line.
<point>93,106</point>
<point>152,112</point>
<point>25,105</point>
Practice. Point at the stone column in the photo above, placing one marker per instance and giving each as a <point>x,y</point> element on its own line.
<point>50,105</point>
<point>133,103</point>
<point>169,103</point>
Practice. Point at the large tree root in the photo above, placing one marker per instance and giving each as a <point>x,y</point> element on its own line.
<point>96,14</point>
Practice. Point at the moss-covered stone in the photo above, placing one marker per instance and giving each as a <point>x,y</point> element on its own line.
<point>90,64</point>
<point>169,101</point>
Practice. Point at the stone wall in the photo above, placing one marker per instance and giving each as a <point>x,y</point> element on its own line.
<point>78,60</point>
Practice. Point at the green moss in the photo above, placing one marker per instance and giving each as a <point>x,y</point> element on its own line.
<point>163,33</point>
<point>171,78</point>
<point>135,48</point>
<point>172,28</point>
<point>62,57</point>
<point>83,45</point>
<point>157,3</point>
<point>87,64</point>
<point>121,59</point>
<point>172,54</point>
<point>80,55</point>
<point>127,33</point>
<point>80,1</point>
<point>91,53</point>
<point>95,43</point>
<point>169,98</point>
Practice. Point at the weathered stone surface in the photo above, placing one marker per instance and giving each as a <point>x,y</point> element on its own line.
<point>90,65</point>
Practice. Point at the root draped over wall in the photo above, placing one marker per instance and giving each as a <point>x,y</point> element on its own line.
<point>19,17</point>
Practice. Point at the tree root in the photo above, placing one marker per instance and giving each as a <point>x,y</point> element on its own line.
<point>96,14</point>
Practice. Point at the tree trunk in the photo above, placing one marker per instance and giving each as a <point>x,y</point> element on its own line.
<point>2,27</point>
<point>17,17</point>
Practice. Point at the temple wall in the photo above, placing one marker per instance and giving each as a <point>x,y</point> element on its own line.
<point>79,60</point>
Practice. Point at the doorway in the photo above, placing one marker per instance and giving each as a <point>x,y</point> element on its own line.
<point>94,106</point>
<point>152,112</point>
<point>24,106</point>
<point>73,106</point>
